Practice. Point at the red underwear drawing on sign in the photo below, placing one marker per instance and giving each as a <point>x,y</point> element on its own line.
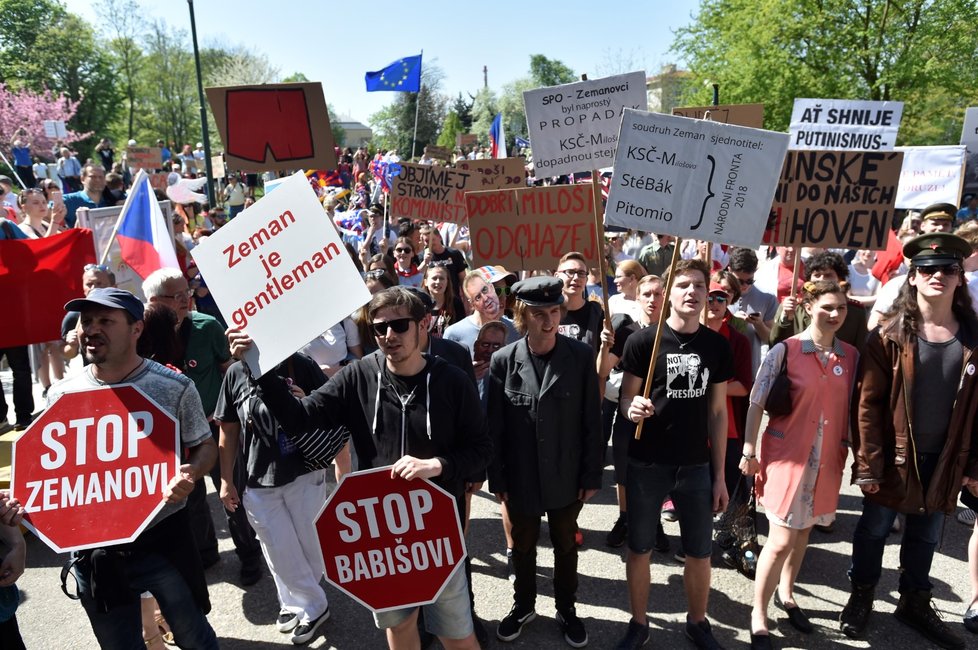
<point>275,120</point>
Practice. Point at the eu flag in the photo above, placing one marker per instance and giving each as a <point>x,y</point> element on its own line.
<point>403,75</point>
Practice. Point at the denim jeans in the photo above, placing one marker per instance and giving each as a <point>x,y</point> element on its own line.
<point>691,490</point>
<point>920,537</point>
<point>121,627</point>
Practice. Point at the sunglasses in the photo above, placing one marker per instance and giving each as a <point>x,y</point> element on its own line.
<point>571,273</point>
<point>403,250</point>
<point>376,274</point>
<point>946,269</point>
<point>399,325</point>
<point>503,290</point>
<point>97,267</point>
<point>720,299</point>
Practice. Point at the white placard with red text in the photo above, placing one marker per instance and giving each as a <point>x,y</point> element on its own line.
<point>930,175</point>
<point>280,271</point>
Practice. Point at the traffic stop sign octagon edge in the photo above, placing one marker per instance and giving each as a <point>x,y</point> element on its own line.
<point>91,470</point>
<point>390,543</point>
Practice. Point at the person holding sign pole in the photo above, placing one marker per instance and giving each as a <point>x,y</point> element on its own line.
<point>913,432</point>
<point>800,461</point>
<point>406,409</point>
<point>163,559</point>
<point>682,448</point>
<point>545,422</point>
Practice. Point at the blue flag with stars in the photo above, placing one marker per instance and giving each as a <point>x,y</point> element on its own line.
<point>403,75</point>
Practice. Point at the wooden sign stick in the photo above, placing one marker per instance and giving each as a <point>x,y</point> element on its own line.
<point>709,266</point>
<point>658,330</point>
<point>795,271</point>
<point>599,239</point>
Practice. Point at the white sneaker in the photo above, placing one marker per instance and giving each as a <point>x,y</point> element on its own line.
<point>304,632</point>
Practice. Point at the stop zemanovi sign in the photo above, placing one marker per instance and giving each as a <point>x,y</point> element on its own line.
<point>92,469</point>
<point>389,542</point>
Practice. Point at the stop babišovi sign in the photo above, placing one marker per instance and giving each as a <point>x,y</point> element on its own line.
<point>92,469</point>
<point>389,542</point>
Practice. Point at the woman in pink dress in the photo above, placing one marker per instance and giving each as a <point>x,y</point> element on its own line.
<point>799,460</point>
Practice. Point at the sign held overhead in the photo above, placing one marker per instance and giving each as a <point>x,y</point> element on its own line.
<point>574,127</point>
<point>694,178</point>
<point>845,124</point>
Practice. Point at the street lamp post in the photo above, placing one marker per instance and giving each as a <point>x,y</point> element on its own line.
<point>211,199</point>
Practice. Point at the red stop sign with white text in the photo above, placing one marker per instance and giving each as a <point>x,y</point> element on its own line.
<point>389,542</point>
<point>92,469</point>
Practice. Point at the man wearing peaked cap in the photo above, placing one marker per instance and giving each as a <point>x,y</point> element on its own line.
<point>545,422</point>
<point>913,417</point>
<point>937,217</point>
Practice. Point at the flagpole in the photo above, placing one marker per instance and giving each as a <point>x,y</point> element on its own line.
<point>417,108</point>
<point>141,174</point>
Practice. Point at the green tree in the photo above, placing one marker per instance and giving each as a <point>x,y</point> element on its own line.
<point>168,88</point>
<point>484,109</point>
<point>463,109</point>
<point>22,22</point>
<point>124,23</point>
<point>451,128</point>
<point>921,52</point>
<point>549,72</point>
<point>511,105</point>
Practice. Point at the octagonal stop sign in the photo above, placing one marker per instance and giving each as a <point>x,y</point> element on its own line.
<point>92,469</point>
<point>389,542</point>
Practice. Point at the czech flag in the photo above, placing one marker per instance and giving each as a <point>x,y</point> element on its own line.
<point>497,138</point>
<point>144,239</point>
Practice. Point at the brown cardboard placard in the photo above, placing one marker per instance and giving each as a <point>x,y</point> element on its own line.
<point>751,115</point>
<point>439,153</point>
<point>835,199</point>
<point>148,158</point>
<point>273,127</point>
<point>531,228</point>
<point>437,193</point>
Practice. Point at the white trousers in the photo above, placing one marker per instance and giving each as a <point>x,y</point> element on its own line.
<point>283,520</point>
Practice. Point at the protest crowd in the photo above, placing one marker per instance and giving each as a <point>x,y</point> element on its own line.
<point>718,380</point>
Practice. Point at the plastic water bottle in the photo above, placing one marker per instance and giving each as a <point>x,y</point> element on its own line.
<point>750,560</point>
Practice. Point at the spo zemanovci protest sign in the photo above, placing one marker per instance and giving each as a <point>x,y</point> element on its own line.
<point>531,228</point>
<point>930,175</point>
<point>280,271</point>
<point>835,199</point>
<point>574,127</point>
<point>435,193</point>
<point>844,124</point>
<point>389,542</point>
<point>92,469</point>
<point>694,178</point>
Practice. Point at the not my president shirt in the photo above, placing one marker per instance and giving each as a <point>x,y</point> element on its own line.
<point>677,433</point>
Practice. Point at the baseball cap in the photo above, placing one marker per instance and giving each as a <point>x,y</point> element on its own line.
<point>493,274</point>
<point>112,297</point>
<point>6,179</point>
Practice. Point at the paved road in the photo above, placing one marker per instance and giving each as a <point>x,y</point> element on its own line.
<point>244,618</point>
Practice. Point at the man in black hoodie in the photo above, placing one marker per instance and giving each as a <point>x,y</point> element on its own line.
<point>405,409</point>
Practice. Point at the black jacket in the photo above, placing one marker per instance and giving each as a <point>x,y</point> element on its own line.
<point>547,437</point>
<point>459,433</point>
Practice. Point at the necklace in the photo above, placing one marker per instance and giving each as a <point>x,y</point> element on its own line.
<point>682,345</point>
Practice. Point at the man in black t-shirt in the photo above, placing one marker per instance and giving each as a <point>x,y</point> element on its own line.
<point>681,449</point>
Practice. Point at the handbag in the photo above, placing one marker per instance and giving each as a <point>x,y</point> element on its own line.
<point>778,400</point>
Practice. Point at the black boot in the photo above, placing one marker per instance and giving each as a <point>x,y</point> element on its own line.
<point>916,610</point>
<point>856,613</point>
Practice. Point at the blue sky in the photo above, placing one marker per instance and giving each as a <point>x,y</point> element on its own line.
<point>336,43</point>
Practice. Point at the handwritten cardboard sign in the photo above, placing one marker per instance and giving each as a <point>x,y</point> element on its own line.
<point>694,178</point>
<point>835,199</point>
<point>531,228</point>
<point>574,127</point>
<point>930,175</point>
<point>844,124</point>
<point>273,126</point>
<point>280,271</point>
<point>751,115</point>
<point>466,139</point>
<point>438,193</point>
<point>438,153</point>
<point>148,158</point>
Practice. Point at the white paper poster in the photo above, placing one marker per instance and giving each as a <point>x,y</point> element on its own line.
<point>280,271</point>
<point>969,138</point>
<point>930,175</point>
<point>574,127</point>
<point>694,178</point>
<point>845,124</point>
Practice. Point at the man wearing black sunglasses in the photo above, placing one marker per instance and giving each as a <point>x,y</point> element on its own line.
<point>403,408</point>
<point>912,429</point>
